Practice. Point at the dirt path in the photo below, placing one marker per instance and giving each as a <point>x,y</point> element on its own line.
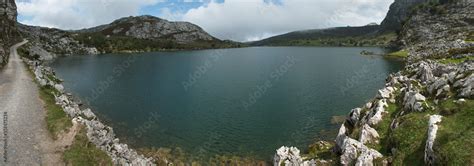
<point>24,139</point>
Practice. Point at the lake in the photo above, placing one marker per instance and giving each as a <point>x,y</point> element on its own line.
<point>244,102</point>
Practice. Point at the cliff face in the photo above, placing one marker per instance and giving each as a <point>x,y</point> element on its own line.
<point>398,13</point>
<point>8,16</point>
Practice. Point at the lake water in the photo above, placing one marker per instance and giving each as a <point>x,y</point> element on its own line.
<point>245,102</point>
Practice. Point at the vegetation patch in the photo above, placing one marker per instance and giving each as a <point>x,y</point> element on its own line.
<point>454,144</point>
<point>56,119</point>
<point>409,139</point>
<point>455,61</point>
<point>398,54</point>
<point>82,152</point>
<point>110,44</point>
<point>178,156</point>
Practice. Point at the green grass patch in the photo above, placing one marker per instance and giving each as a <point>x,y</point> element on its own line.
<point>383,129</point>
<point>454,144</point>
<point>84,153</point>
<point>56,118</point>
<point>398,54</point>
<point>455,61</point>
<point>409,139</point>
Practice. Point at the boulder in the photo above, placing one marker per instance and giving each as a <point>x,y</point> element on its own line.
<point>59,87</point>
<point>375,116</point>
<point>354,116</point>
<point>355,150</point>
<point>413,101</point>
<point>368,135</point>
<point>439,83</point>
<point>432,130</point>
<point>88,113</point>
<point>290,156</point>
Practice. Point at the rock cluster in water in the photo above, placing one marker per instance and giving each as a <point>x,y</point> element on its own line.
<point>98,133</point>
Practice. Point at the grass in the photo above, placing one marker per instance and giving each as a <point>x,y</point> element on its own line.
<point>455,61</point>
<point>454,144</point>
<point>56,119</point>
<point>398,54</point>
<point>84,153</point>
<point>409,139</point>
<point>81,152</point>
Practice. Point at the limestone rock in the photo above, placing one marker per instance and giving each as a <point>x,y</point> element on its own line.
<point>432,130</point>
<point>368,135</point>
<point>290,156</point>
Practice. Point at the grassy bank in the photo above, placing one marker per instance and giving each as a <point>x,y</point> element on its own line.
<point>81,152</point>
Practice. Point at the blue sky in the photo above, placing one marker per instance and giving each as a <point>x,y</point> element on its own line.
<point>240,20</point>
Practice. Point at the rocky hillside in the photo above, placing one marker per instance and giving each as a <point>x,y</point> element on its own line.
<point>48,43</point>
<point>145,33</point>
<point>153,28</point>
<point>341,36</point>
<point>8,34</point>
<point>425,113</point>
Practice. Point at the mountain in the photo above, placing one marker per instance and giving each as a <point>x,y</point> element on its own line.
<point>8,32</point>
<point>145,33</point>
<point>370,35</point>
<point>340,36</point>
<point>129,34</point>
<point>153,28</point>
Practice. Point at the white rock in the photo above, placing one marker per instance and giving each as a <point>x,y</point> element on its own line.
<point>88,113</point>
<point>432,130</point>
<point>59,87</point>
<point>368,135</point>
<point>288,155</point>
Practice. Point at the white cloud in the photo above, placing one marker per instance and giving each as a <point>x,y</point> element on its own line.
<point>240,20</point>
<point>245,20</point>
<point>75,14</point>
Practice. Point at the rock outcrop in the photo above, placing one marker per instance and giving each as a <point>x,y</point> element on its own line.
<point>8,32</point>
<point>398,13</point>
<point>49,43</point>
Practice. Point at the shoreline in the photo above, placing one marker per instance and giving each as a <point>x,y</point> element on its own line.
<point>98,133</point>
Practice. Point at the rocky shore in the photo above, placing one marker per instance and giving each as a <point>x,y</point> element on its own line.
<point>98,133</point>
<point>436,84</point>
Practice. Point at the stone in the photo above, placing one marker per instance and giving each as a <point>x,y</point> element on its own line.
<point>341,136</point>
<point>376,114</point>
<point>88,113</point>
<point>290,156</point>
<point>413,101</point>
<point>59,87</point>
<point>355,150</point>
<point>354,116</point>
<point>432,130</point>
<point>368,135</point>
<point>439,83</point>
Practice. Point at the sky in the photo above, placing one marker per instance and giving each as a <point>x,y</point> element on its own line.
<point>239,20</point>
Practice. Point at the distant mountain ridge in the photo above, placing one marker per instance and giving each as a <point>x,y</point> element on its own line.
<point>370,35</point>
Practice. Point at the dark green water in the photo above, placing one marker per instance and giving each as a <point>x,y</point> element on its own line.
<point>245,102</point>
